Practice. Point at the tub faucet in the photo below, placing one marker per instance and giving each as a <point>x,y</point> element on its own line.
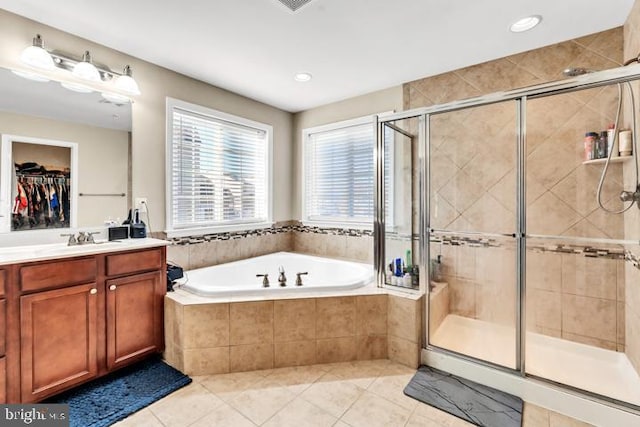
<point>265,280</point>
<point>282,279</point>
<point>299,279</point>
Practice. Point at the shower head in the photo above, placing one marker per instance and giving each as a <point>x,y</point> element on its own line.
<point>576,71</point>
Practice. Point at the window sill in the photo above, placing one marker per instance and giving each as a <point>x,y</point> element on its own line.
<point>201,231</point>
<point>342,225</point>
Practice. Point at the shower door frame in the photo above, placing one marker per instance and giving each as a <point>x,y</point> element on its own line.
<point>520,97</point>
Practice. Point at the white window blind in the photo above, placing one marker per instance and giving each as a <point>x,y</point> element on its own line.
<point>219,171</point>
<point>339,174</point>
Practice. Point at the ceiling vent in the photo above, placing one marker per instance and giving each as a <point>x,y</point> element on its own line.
<point>294,5</point>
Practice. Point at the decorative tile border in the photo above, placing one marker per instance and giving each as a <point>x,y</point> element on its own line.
<point>278,228</point>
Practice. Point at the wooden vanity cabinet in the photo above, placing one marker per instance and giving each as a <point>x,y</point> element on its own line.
<point>77,322</point>
<point>58,339</point>
<point>135,288</point>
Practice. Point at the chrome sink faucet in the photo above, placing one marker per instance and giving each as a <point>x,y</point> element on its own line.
<point>282,279</point>
<point>72,239</point>
<point>83,238</point>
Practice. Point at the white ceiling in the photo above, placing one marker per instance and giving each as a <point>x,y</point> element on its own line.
<point>352,47</point>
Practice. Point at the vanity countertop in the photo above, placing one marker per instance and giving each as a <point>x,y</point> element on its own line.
<point>29,253</point>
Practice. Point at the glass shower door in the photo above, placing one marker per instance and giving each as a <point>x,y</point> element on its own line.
<point>472,177</point>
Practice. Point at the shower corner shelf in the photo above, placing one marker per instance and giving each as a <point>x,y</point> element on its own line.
<point>613,160</point>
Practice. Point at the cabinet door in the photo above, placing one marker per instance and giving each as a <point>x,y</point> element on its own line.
<point>134,317</point>
<point>58,336</point>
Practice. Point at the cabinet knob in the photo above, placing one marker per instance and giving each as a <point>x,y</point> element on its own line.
<point>93,291</point>
<point>112,287</point>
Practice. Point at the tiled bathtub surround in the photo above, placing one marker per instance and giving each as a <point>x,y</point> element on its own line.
<point>202,251</point>
<point>204,339</point>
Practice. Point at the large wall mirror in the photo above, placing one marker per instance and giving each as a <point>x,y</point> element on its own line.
<point>65,158</point>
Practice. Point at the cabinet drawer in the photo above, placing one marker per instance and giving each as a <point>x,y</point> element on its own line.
<point>58,273</point>
<point>3,281</point>
<point>134,262</point>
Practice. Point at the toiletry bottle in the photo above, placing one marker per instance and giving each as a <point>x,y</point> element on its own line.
<point>398,272</point>
<point>407,258</point>
<point>589,145</point>
<point>602,145</point>
<point>612,143</point>
<point>625,142</point>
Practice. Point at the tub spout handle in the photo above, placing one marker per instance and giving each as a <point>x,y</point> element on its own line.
<point>282,279</point>
<point>299,279</point>
<point>265,280</point>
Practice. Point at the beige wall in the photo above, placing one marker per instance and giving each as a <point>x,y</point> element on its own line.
<point>632,218</point>
<point>156,83</point>
<point>102,161</point>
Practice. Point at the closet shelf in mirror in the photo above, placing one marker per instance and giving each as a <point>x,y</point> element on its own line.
<point>102,194</point>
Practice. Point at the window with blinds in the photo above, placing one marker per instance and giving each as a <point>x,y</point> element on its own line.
<point>339,174</point>
<point>220,169</point>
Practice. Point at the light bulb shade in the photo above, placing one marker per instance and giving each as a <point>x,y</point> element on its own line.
<point>76,87</point>
<point>115,98</point>
<point>37,57</point>
<point>30,75</point>
<point>126,83</point>
<point>85,70</point>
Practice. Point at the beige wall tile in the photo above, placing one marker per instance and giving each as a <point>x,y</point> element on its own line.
<point>336,317</point>
<point>621,323</point>
<point>251,357</point>
<point>372,347</point>
<point>462,297</point>
<point>294,320</point>
<point>632,336</point>
<point>333,350</point>
<point>251,323</point>
<point>294,353</point>
<point>206,361</point>
<point>544,271</point>
<point>590,317</point>
<point>438,308</point>
<point>544,310</point>
<point>371,315</point>
<point>360,248</point>
<point>179,255</point>
<point>592,277</point>
<point>403,351</point>
<point>206,325</point>
<point>404,318</point>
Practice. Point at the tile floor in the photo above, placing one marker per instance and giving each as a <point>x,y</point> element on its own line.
<point>366,393</point>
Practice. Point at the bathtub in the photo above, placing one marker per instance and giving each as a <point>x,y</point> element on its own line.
<point>239,277</point>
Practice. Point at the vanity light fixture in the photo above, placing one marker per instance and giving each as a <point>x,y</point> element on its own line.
<point>302,77</point>
<point>525,24</point>
<point>36,56</point>
<point>114,86</point>
<point>85,70</point>
<point>126,83</point>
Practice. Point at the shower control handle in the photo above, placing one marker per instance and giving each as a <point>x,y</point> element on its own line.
<point>265,280</point>
<point>299,279</point>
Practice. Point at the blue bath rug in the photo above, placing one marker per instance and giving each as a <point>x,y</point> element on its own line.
<point>475,403</point>
<point>106,400</point>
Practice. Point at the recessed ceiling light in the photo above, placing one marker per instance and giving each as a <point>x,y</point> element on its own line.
<point>302,77</point>
<point>525,24</point>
